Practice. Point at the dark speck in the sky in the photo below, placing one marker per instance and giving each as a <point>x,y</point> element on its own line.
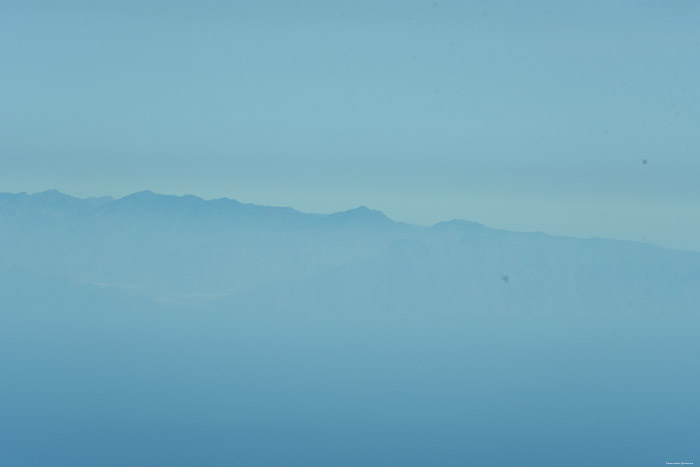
<point>505,279</point>
<point>644,161</point>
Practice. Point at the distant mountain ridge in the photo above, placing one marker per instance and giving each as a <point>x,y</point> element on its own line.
<point>184,248</point>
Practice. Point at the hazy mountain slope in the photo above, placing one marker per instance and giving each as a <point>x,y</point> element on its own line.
<point>186,248</point>
<point>173,246</point>
<point>498,272</point>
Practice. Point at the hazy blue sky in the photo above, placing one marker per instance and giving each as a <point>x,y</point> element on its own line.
<point>522,115</point>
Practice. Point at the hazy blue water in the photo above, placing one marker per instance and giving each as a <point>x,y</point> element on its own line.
<point>148,387</point>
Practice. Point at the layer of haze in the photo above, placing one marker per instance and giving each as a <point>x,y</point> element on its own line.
<point>576,118</point>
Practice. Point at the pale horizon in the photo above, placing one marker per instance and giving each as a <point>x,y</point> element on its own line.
<point>490,221</point>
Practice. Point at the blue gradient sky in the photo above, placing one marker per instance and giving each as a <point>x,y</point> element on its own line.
<point>520,115</point>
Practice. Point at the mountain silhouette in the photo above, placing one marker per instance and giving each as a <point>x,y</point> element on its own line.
<point>183,248</point>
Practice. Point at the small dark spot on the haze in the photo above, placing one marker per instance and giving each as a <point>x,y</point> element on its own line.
<point>505,279</point>
<point>644,161</point>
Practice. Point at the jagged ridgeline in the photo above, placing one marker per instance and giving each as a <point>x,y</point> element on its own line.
<point>185,249</point>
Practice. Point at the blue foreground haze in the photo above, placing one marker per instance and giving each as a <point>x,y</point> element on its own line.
<point>158,330</point>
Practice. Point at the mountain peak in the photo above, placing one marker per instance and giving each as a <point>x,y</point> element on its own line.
<point>361,215</point>
<point>50,192</point>
<point>52,195</point>
<point>143,194</point>
<point>363,212</point>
